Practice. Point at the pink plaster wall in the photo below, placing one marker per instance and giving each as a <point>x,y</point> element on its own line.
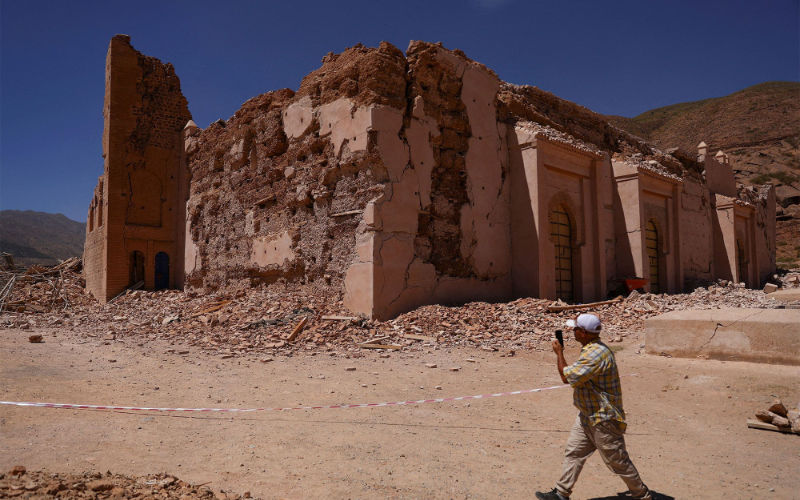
<point>719,177</point>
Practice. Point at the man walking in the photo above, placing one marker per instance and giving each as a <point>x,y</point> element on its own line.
<point>600,424</point>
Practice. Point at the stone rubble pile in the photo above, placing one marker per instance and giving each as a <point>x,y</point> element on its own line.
<point>777,415</point>
<point>20,483</point>
<point>266,320</point>
<point>39,289</point>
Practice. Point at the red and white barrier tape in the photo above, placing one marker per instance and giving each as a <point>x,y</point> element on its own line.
<point>246,410</point>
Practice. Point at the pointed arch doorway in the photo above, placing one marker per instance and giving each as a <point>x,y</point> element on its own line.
<point>562,234</point>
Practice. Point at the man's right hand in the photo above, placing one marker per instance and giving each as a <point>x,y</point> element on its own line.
<point>557,347</point>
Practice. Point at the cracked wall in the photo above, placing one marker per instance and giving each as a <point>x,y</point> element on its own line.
<point>440,231</point>
<point>278,190</point>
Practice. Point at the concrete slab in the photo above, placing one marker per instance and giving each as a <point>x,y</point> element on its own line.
<point>786,295</point>
<point>760,335</point>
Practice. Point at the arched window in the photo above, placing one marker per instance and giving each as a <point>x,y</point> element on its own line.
<point>162,271</point>
<point>653,255</point>
<point>561,232</point>
<point>136,267</point>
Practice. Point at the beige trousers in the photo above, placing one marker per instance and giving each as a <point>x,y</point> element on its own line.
<point>610,441</point>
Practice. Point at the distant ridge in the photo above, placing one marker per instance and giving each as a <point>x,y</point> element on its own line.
<point>39,237</point>
<point>764,112</point>
<point>759,128</point>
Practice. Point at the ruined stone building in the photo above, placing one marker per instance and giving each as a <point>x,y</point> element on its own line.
<point>395,180</point>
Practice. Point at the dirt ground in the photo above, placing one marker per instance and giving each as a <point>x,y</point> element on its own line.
<point>686,433</point>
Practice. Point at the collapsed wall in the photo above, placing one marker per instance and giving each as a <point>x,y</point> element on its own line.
<point>385,173</point>
<point>277,191</point>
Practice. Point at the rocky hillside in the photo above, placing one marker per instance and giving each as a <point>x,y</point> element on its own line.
<point>759,128</point>
<point>39,237</point>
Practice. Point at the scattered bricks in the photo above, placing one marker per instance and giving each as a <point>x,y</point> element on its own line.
<point>772,418</point>
<point>770,287</point>
<point>18,470</point>
<point>765,416</point>
<point>350,369</point>
<point>778,408</point>
<point>100,485</point>
<point>430,365</point>
<point>41,484</point>
<point>35,339</point>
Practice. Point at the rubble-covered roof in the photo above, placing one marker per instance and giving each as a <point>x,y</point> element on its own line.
<point>549,133</point>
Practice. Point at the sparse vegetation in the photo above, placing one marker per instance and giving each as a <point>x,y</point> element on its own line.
<point>782,177</point>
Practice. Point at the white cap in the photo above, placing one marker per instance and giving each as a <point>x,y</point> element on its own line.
<point>588,322</point>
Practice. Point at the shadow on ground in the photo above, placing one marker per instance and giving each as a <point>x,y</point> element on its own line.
<point>625,496</point>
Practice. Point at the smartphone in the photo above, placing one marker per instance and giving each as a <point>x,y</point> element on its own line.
<point>560,337</point>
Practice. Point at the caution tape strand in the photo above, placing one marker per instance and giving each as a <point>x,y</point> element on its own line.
<point>71,406</point>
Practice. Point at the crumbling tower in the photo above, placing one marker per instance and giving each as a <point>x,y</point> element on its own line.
<point>134,231</point>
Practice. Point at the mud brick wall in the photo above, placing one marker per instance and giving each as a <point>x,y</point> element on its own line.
<point>144,115</point>
<point>383,181</point>
<point>276,193</point>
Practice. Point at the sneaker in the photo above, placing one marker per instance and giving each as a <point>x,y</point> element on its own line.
<point>551,495</point>
<point>647,496</point>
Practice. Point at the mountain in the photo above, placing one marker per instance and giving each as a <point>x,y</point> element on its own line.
<point>39,237</point>
<point>759,129</point>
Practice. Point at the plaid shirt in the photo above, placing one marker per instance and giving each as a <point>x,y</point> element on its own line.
<point>595,380</point>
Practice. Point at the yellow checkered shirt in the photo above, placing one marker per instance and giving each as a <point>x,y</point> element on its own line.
<point>595,380</point>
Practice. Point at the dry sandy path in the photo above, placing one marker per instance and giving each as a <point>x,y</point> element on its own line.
<point>686,432</point>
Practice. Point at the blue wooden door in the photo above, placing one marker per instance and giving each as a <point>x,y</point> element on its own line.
<point>162,271</point>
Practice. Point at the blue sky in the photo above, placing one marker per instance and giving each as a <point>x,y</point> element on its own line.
<point>615,57</point>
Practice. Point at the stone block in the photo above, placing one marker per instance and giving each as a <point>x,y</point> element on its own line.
<point>786,295</point>
<point>760,335</point>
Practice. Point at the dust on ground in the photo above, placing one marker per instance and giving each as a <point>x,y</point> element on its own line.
<point>687,432</point>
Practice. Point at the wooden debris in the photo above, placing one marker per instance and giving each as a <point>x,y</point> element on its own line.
<point>380,346</point>
<point>6,291</point>
<point>755,424</point>
<point>216,307</point>
<point>376,340</point>
<point>415,336</point>
<point>557,308</point>
<point>772,418</point>
<point>297,329</point>
<point>349,212</point>
<point>340,318</point>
